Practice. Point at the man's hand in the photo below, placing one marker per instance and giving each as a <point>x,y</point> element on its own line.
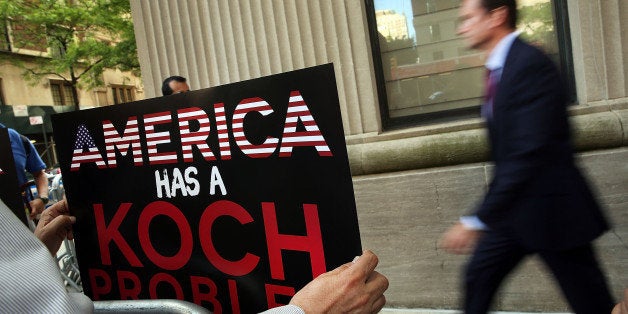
<point>622,307</point>
<point>54,226</point>
<point>351,288</point>
<point>37,207</point>
<point>459,239</point>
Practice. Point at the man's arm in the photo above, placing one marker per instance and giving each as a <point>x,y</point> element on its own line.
<point>354,287</point>
<point>36,167</point>
<point>460,239</point>
<point>38,204</point>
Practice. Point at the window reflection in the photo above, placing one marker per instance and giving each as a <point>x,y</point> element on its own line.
<point>427,67</point>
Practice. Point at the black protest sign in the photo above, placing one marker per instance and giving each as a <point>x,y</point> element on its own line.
<point>9,190</point>
<point>231,197</point>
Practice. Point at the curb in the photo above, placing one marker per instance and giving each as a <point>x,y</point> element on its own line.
<point>435,311</point>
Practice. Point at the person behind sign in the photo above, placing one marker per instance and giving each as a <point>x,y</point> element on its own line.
<point>174,85</point>
<point>353,287</point>
<point>26,158</point>
<point>537,202</point>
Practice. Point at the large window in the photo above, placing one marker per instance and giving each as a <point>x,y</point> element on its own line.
<point>426,73</point>
<point>122,93</point>
<point>27,36</point>
<point>62,93</point>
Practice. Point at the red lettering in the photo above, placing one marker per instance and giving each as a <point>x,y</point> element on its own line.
<point>210,296</point>
<point>273,290</point>
<point>99,290</point>
<point>233,296</point>
<point>163,277</point>
<point>211,213</point>
<point>185,251</point>
<point>312,242</point>
<point>110,233</point>
<point>132,292</point>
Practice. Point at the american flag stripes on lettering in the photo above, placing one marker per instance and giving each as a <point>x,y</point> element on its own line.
<point>312,136</point>
<point>131,136</point>
<point>255,151</point>
<point>85,150</point>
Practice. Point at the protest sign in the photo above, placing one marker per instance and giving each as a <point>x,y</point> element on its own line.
<point>231,197</point>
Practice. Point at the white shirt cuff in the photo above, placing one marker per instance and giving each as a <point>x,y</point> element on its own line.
<point>473,223</point>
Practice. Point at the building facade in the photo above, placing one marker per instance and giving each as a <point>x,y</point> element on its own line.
<point>23,102</point>
<point>417,148</point>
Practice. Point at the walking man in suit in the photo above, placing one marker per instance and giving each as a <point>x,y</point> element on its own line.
<point>537,201</point>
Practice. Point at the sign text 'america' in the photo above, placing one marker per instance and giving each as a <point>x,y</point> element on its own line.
<point>130,139</point>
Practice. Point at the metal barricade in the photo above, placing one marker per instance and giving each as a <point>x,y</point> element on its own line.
<point>55,188</point>
<point>66,257</point>
<point>148,306</point>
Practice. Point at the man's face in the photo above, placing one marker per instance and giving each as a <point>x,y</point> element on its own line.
<point>475,24</point>
<point>179,87</point>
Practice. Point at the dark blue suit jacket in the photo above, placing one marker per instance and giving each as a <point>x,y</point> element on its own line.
<point>537,194</point>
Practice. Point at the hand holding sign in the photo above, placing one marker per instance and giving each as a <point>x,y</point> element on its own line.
<point>351,288</point>
<point>55,225</point>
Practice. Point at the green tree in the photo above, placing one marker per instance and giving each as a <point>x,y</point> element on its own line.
<point>84,37</point>
<point>536,23</point>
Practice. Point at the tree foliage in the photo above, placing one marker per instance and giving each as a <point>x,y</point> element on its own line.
<point>536,23</point>
<point>84,38</point>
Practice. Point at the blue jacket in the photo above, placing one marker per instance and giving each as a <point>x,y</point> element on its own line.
<point>24,161</point>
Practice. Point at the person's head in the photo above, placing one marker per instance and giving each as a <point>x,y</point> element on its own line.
<point>174,85</point>
<point>484,22</point>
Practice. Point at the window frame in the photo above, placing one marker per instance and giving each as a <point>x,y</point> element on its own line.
<point>115,92</point>
<point>561,20</point>
<point>61,85</point>
<point>17,27</point>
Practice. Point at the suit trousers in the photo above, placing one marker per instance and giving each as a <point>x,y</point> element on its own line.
<point>576,270</point>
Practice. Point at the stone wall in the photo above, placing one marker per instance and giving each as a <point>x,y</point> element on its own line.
<point>403,214</point>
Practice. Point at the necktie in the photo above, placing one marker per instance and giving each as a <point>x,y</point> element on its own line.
<point>490,90</point>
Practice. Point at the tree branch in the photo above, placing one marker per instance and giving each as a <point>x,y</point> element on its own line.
<point>89,67</point>
<point>33,72</point>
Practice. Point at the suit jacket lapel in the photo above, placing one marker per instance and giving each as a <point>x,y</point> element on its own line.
<point>506,80</point>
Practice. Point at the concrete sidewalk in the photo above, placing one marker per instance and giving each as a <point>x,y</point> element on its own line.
<point>430,311</point>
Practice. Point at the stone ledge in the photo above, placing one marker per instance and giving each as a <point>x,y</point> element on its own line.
<point>596,126</point>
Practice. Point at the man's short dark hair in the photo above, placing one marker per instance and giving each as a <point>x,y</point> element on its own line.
<point>165,86</point>
<point>511,5</point>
